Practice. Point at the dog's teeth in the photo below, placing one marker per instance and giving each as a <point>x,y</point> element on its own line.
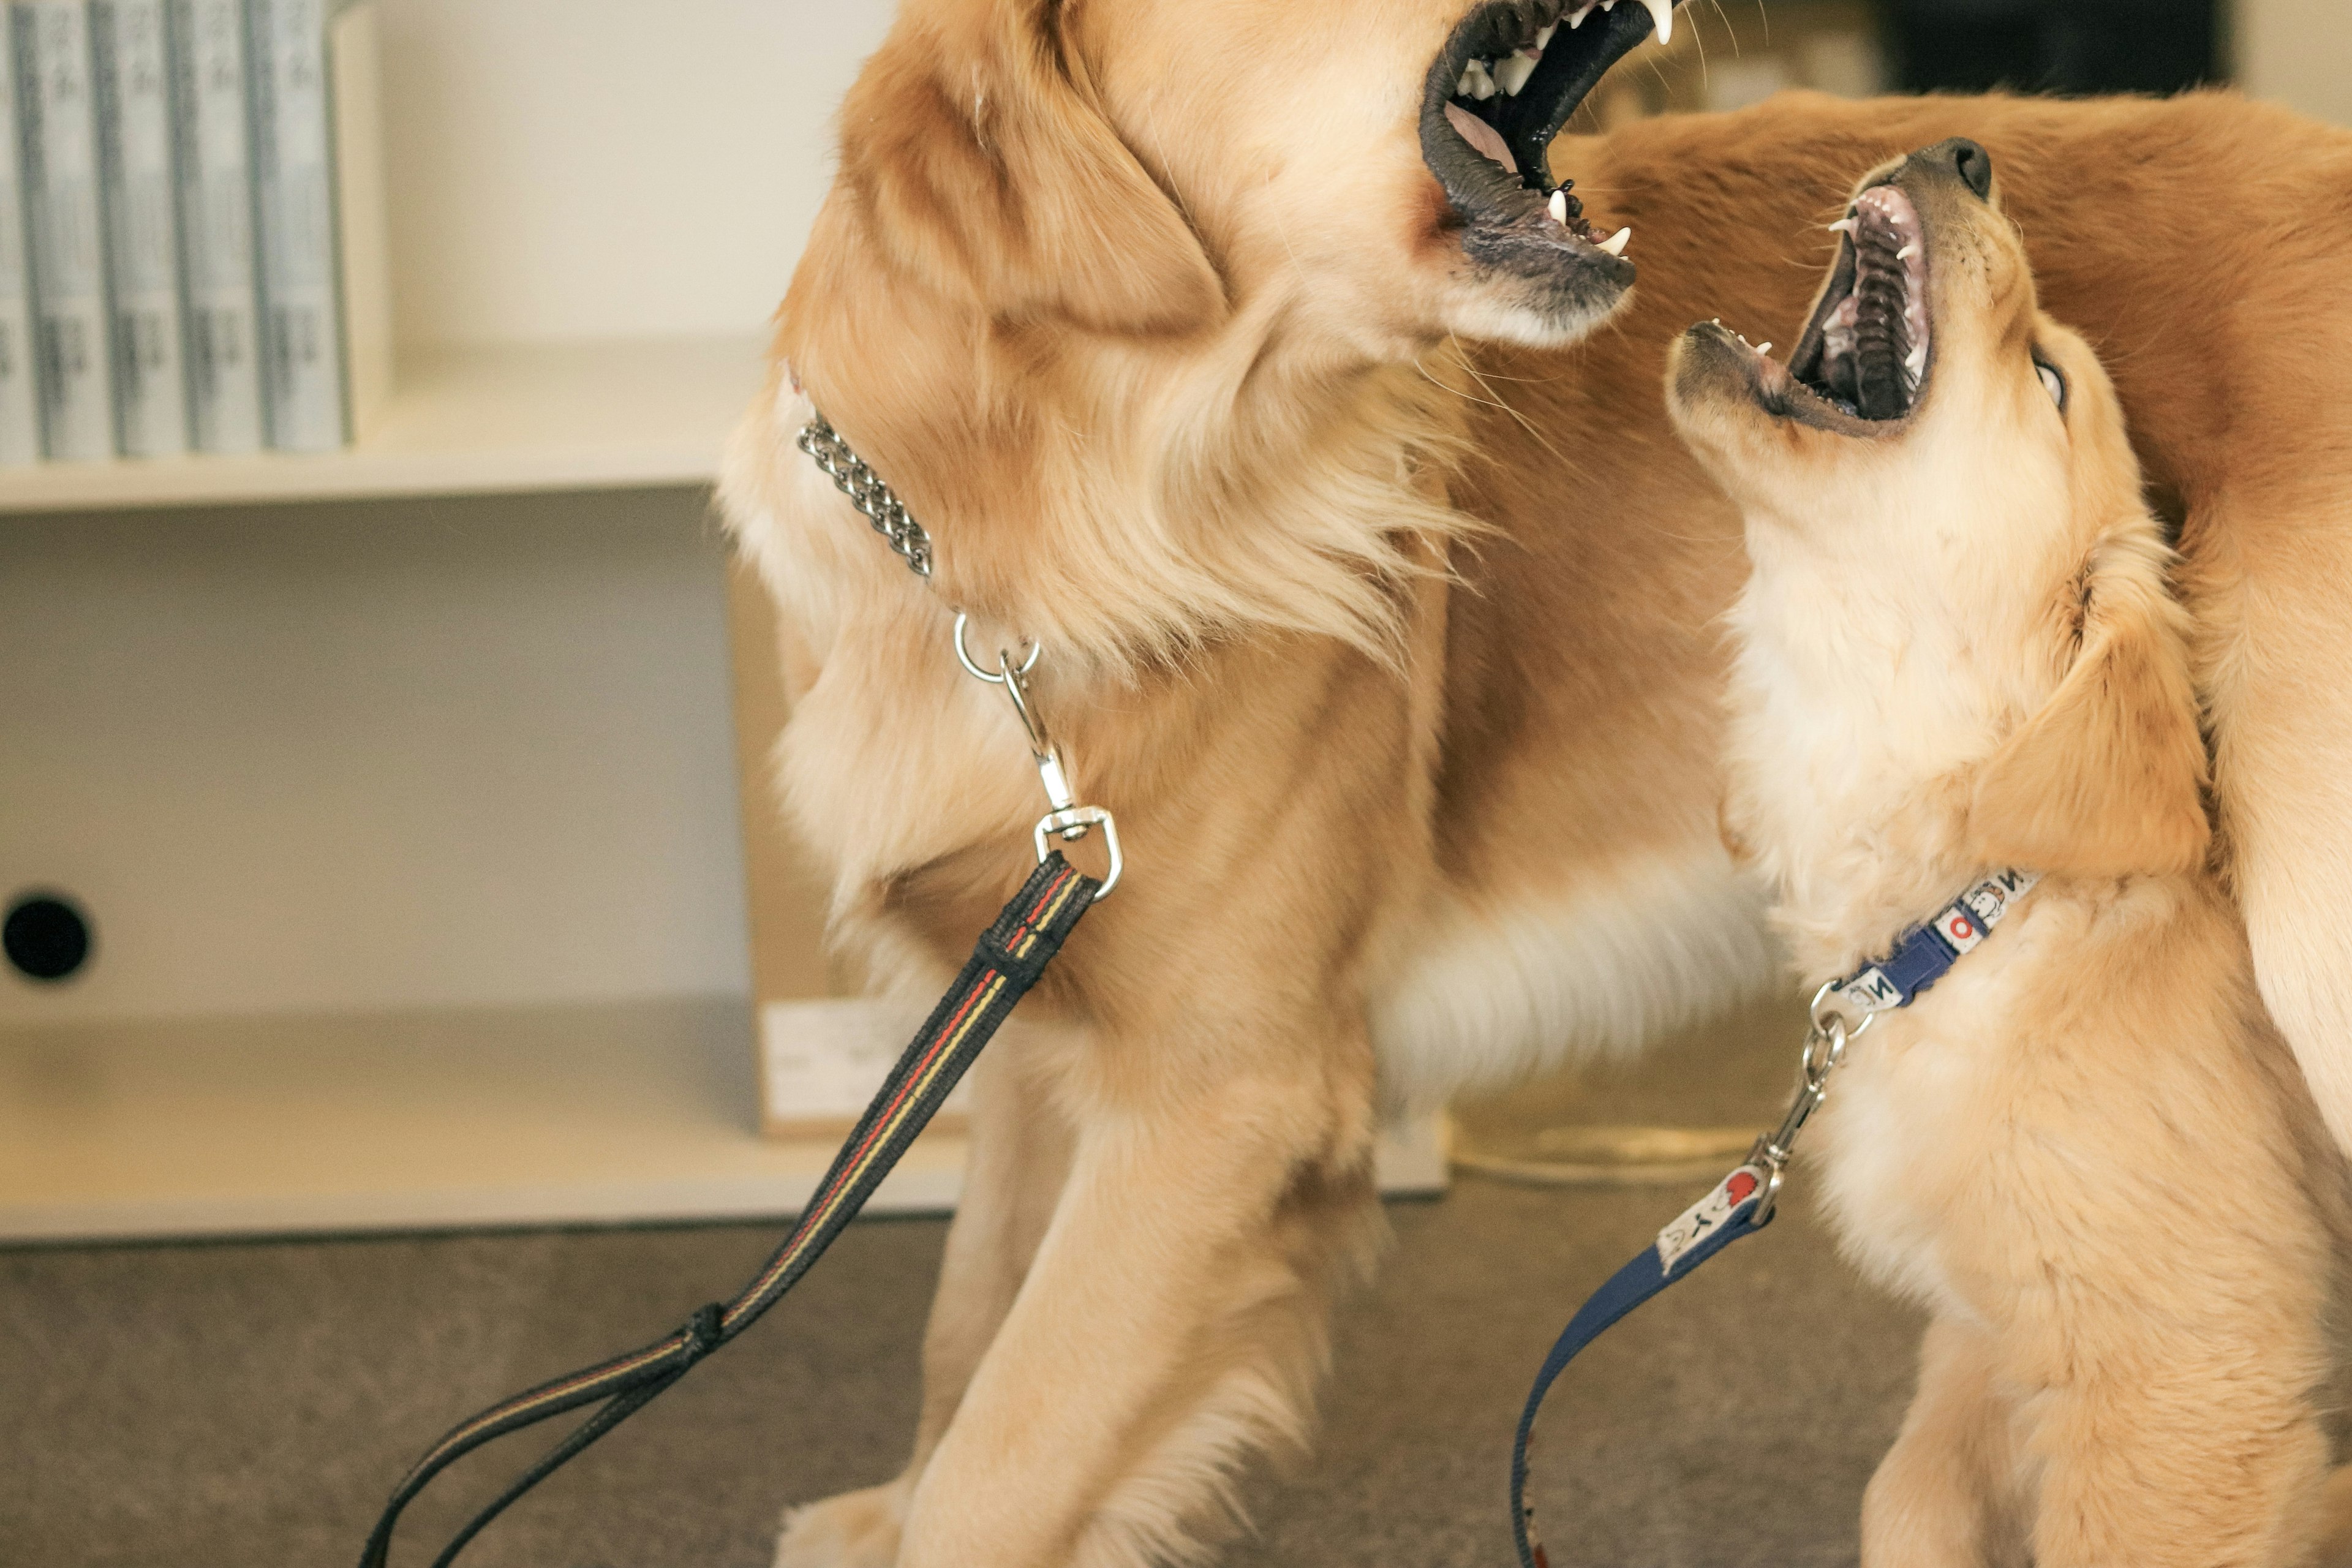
<point>1559,208</point>
<point>1843,225</point>
<point>1662,13</point>
<point>1906,253</point>
<point>1763,349</point>
<point>1576,19</point>
<point>1543,38</point>
<point>1461,89</point>
<point>1616,244</point>
<point>1482,85</point>
<point>1512,74</point>
<point>1915,362</point>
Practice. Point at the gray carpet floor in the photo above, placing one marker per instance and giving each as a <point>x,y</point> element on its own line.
<point>248,1406</point>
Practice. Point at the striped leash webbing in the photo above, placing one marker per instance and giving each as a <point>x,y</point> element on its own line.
<point>1006,963</point>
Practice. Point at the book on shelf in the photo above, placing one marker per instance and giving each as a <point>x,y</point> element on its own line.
<point>58,129</point>
<point>326,326</point>
<point>192,249</point>
<point>214,105</point>
<point>133,75</point>
<point>20,413</point>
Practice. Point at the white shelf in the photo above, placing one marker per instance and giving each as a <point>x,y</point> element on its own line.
<point>593,1114</point>
<point>396,1121</point>
<point>631,413</point>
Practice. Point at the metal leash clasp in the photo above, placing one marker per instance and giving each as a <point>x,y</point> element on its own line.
<point>1069,821</point>
<point>1826,1038</point>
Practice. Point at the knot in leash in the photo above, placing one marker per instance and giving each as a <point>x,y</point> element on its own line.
<point>702,1334</point>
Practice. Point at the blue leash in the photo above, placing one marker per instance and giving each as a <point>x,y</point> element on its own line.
<point>1742,1203</point>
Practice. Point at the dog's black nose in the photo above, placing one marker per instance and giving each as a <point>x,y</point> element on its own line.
<point>1972,161</point>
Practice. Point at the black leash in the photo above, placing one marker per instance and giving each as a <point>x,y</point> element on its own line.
<point>1007,961</point>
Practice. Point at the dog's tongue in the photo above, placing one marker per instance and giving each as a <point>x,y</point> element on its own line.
<point>1481,135</point>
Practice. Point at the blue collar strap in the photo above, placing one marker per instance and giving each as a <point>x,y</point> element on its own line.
<point>1922,953</point>
<point>1742,1204</point>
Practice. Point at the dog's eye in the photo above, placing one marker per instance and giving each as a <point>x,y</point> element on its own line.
<point>2051,382</point>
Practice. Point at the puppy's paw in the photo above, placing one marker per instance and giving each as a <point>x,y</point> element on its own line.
<point>856,1530</point>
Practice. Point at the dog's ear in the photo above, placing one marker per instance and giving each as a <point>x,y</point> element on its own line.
<point>2108,777</point>
<point>984,162</point>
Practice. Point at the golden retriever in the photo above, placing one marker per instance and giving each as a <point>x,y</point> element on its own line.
<point>2085,1152</point>
<point>1326,457</point>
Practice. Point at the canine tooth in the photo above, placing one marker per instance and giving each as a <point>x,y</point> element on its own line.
<point>1512,74</point>
<point>1461,89</point>
<point>1908,252</point>
<point>1559,208</point>
<point>1576,19</point>
<point>1662,13</point>
<point>1482,85</point>
<point>1763,349</point>
<point>1915,362</point>
<point>1616,244</point>
<point>1843,225</point>
<point>1543,38</point>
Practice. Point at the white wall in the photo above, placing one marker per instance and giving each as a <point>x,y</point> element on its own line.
<point>400,754</point>
<point>607,168</point>
<point>2298,52</point>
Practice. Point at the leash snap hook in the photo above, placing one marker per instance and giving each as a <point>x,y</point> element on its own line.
<point>1068,820</point>
<point>1826,1044</point>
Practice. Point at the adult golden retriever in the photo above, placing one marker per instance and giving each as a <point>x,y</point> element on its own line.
<point>1328,465</point>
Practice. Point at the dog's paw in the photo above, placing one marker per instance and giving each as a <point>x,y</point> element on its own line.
<point>856,1530</point>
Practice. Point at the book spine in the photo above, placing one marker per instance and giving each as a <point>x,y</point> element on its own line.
<point>20,411</point>
<point>58,123</point>
<point>302,330</point>
<point>140,187</point>
<point>214,106</point>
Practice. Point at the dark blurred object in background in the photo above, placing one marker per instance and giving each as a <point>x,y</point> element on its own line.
<point>2051,46</point>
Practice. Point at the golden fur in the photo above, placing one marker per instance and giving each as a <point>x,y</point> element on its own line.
<point>1394,651</point>
<point>2086,1152</point>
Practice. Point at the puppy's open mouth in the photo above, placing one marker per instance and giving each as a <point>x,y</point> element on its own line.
<point>1497,96</point>
<point>1866,352</point>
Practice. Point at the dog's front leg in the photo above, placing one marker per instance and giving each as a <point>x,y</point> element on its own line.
<point>1937,1498</point>
<point>1020,1160</point>
<point>1019,1156</point>
<point>1174,1316</point>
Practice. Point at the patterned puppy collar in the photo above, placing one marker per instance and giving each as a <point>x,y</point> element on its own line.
<point>1923,952</point>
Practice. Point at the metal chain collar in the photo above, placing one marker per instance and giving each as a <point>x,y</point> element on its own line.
<point>868,493</point>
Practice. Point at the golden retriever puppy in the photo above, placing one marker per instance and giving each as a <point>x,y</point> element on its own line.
<point>2086,1151</point>
<point>1252,357</point>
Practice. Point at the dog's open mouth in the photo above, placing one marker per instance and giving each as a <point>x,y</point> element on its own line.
<point>1497,94</point>
<point>1866,352</point>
